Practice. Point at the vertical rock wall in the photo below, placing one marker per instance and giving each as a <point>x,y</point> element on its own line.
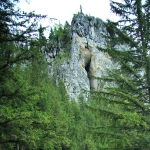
<point>85,60</point>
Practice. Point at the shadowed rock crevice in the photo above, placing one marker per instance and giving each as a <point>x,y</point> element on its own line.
<point>86,62</point>
<point>87,68</point>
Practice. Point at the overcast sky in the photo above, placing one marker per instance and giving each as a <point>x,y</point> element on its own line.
<point>63,10</point>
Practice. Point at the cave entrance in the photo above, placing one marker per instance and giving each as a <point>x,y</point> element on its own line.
<point>87,68</point>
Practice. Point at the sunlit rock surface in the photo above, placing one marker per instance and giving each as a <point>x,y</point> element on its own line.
<point>85,61</point>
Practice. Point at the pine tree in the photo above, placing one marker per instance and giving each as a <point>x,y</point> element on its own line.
<point>127,92</point>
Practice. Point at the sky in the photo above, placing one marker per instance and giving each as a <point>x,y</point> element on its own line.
<point>63,10</point>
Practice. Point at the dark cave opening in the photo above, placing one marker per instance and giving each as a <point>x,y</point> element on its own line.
<point>87,68</point>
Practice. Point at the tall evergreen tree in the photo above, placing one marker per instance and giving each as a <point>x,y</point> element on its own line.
<point>22,121</point>
<point>128,44</point>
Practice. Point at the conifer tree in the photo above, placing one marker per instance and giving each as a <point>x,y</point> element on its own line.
<point>22,122</point>
<point>127,92</point>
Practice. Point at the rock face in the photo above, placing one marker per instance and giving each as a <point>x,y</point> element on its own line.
<point>85,60</point>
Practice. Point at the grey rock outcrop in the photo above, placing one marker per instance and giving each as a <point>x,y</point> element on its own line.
<point>85,60</point>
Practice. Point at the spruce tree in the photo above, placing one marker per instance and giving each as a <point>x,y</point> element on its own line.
<point>127,92</point>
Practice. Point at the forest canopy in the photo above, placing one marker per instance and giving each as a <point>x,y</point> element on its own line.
<point>38,115</point>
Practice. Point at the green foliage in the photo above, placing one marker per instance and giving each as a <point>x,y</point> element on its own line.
<point>35,114</point>
<point>16,25</point>
<point>32,113</point>
<point>42,41</point>
<point>63,56</point>
<point>59,38</point>
<point>128,92</point>
<point>25,119</point>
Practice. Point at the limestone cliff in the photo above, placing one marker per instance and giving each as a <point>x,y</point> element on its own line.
<point>85,61</point>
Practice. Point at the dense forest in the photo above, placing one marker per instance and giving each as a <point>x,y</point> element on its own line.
<point>36,114</point>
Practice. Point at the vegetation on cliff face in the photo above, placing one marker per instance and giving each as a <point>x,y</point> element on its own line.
<point>37,115</point>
